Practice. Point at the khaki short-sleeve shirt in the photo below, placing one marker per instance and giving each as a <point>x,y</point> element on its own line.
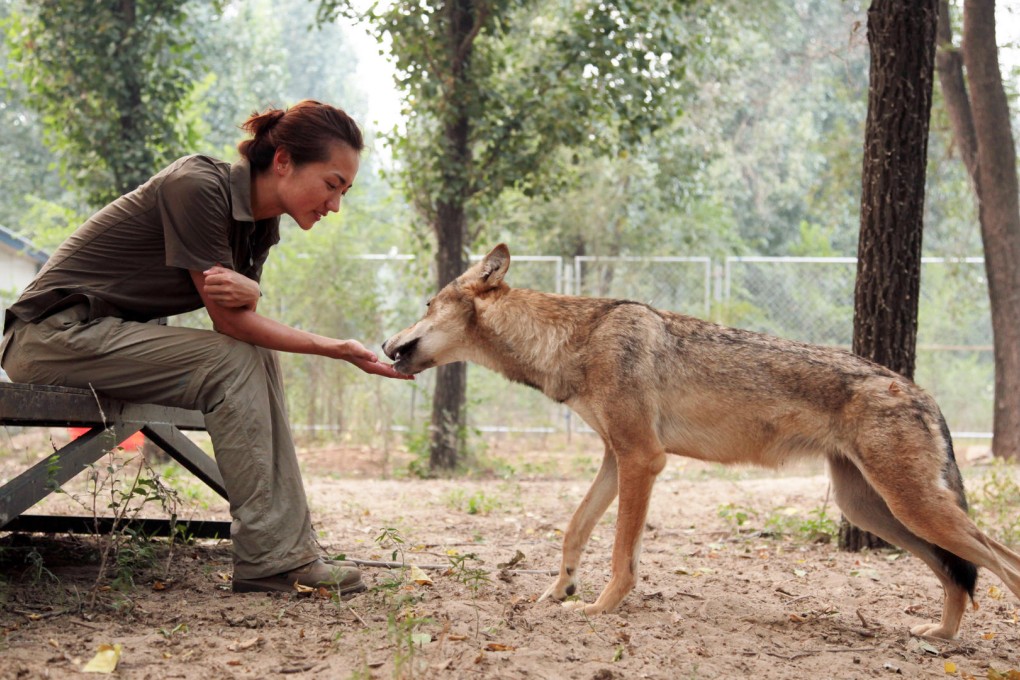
<point>132,258</point>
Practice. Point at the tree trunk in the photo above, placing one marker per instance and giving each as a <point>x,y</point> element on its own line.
<point>901,36</point>
<point>981,125</point>
<point>447,438</point>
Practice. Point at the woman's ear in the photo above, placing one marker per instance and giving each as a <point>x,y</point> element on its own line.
<point>281,161</point>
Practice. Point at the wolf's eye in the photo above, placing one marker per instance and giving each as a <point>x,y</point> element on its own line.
<point>428,303</point>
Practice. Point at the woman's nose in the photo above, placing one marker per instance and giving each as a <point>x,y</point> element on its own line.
<point>333,204</point>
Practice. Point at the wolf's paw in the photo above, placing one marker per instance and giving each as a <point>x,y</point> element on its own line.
<point>936,630</point>
<point>588,609</point>
<point>559,590</point>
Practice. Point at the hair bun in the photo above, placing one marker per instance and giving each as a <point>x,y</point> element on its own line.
<point>305,130</point>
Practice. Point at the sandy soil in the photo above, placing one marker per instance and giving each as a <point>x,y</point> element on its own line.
<point>736,581</point>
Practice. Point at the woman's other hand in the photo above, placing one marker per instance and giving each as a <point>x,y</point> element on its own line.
<point>230,289</point>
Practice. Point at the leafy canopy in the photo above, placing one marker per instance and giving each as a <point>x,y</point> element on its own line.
<point>108,79</point>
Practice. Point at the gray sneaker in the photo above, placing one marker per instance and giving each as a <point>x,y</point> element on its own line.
<point>318,574</point>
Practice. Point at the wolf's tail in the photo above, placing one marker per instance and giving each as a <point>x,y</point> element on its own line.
<point>959,570</point>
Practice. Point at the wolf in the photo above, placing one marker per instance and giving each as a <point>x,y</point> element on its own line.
<point>653,382</point>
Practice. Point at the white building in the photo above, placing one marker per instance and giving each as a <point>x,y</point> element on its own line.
<point>20,261</point>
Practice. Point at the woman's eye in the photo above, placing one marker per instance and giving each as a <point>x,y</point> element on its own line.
<point>332,187</point>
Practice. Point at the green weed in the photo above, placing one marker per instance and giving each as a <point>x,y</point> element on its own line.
<point>995,501</point>
<point>477,503</point>
<point>407,637</point>
<point>781,522</point>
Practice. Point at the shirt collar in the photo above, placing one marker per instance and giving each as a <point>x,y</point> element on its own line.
<point>240,191</point>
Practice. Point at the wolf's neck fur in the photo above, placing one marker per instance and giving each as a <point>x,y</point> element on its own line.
<point>527,336</point>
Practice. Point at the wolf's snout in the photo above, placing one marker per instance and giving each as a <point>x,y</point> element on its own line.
<point>400,351</point>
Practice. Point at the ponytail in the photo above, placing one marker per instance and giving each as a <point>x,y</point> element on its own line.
<point>306,130</point>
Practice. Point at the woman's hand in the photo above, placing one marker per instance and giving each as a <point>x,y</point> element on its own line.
<point>356,353</point>
<point>228,288</point>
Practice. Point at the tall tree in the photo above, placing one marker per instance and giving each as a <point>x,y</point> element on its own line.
<point>901,39</point>
<point>108,79</point>
<point>981,126</point>
<point>491,87</point>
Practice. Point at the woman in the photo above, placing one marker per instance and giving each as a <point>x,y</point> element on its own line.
<point>196,235</point>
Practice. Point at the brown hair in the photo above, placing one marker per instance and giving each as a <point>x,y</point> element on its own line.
<point>306,130</point>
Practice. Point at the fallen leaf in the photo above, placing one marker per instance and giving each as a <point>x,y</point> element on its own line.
<point>513,562</point>
<point>497,647</point>
<point>995,593</point>
<point>457,638</point>
<point>105,661</point>
<point>158,585</point>
<point>246,644</point>
<point>988,636</point>
<point>419,576</point>
<point>420,639</point>
<point>866,573</point>
<point>950,667</point>
<point>303,588</point>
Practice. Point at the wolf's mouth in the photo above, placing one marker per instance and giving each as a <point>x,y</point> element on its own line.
<point>404,352</point>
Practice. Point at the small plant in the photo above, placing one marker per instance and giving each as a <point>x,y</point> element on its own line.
<point>388,538</point>
<point>392,585</point>
<point>473,577</point>
<point>736,516</point>
<point>994,504</point>
<point>407,639</point>
<point>477,503</point>
<point>179,629</point>
<point>417,442</point>
<point>37,568</point>
<point>819,525</point>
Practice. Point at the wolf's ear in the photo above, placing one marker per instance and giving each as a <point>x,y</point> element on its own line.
<point>494,265</point>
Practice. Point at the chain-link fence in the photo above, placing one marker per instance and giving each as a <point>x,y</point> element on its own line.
<point>807,299</point>
<point>812,300</point>
<point>371,297</point>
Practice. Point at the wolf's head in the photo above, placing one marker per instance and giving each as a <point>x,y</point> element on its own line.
<point>444,335</point>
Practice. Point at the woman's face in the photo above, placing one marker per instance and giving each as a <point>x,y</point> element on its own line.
<point>311,191</point>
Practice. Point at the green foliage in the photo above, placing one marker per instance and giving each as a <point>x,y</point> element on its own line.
<point>28,172</point>
<point>389,537</point>
<point>478,503</point>
<point>995,500</point>
<point>490,90</point>
<point>463,570</point>
<point>407,638</point>
<point>781,522</point>
<point>110,97</point>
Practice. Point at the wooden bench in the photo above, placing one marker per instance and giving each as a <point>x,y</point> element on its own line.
<point>110,422</point>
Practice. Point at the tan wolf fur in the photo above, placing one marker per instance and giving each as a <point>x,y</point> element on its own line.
<point>651,382</point>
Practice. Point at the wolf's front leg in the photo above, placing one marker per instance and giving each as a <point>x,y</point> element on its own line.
<point>636,478</point>
<point>588,513</point>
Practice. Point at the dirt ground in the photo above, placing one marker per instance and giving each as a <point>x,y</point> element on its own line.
<point>739,578</point>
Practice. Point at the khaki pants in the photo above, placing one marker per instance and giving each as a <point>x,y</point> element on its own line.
<point>236,385</point>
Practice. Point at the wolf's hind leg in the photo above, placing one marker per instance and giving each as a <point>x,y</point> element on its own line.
<point>865,508</point>
<point>601,493</point>
<point>932,514</point>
